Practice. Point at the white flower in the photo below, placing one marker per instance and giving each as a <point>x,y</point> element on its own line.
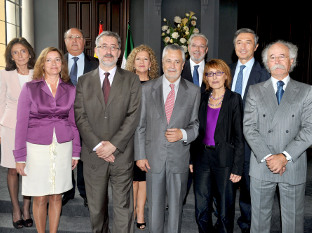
<point>175,35</point>
<point>187,14</point>
<point>171,41</point>
<point>164,28</point>
<point>177,19</point>
<point>167,39</point>
<point>193,22</point>
<point>185,48</point>
<point>165,20</point>
<point>194,17</point>
<point>187,32</point>
<point>183,40</point>
<point>195,30</point>
<point>179,25</point>
<point>186,28</point>
<point>168,31</point>
<point>163,34</point>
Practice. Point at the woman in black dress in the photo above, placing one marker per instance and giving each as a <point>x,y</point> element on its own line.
<point>141,61</point>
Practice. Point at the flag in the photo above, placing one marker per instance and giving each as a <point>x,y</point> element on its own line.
<point>100,31</point>
<point>128,47</point>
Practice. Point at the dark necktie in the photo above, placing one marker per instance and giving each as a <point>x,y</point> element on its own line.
<point>73,71</point>
<point>280,91</point>
<point>106,87</point>
<point>239,81</point>
<point>196,76</point>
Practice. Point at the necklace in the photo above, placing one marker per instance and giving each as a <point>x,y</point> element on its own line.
<point>217,104</point>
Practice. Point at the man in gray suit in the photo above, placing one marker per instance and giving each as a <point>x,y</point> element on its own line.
<point>278,128</point>
<point>168,124</point>
<point>107,111</point>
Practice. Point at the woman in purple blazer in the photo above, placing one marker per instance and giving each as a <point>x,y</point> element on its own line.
<point>47,143</point>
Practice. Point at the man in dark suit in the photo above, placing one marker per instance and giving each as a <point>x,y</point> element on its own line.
<point>168,124</point>
<point>246,71</point>
<point>79,63</point>
<point>193,71</point>
<point>107,117</point>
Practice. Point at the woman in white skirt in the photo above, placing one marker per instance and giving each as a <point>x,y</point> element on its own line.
<point>20,61</point>
<point>47,142</point>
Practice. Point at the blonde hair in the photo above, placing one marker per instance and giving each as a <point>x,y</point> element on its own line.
<point>219,65</point>
<point>39,71</point>
<point>153,72</point>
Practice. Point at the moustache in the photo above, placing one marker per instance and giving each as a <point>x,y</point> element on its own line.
<point>278,66</point>
<point>108,55</point>
<point>172,70</point>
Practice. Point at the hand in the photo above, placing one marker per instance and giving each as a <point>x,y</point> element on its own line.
<point>105,151</point>
<point>74,163</point>
<point>0,140</point>
<point>143,164</point>
<point>20,168</point>
<point>235,178</point>
<point>173,135</point>
<point>277,163</point>
<point>191,168</point>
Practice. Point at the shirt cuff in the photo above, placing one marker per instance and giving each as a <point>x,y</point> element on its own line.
<point>263,160</point>
<point>75,158</point>
<point>184,137</point>
<point>21,162</point>
<point>288,157</point>
<point>97,146</point>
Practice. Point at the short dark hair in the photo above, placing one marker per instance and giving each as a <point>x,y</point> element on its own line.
<point>10,63</point>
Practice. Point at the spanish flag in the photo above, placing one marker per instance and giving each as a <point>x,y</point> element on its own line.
<point>100,31</point>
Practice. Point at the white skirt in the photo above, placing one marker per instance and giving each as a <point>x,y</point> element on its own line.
<point>48,169</point>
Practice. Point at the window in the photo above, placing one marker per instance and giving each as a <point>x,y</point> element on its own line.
<point>10,24</point>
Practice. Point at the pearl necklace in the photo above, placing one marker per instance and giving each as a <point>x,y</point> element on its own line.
<point>217,104</point>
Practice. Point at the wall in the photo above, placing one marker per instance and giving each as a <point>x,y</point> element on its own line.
<point>45,24</point>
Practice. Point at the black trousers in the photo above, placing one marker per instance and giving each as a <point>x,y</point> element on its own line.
<point>212,181</point>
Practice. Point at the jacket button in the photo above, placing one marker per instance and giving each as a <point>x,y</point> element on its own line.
<point>263,115</point>
<point>293,115</point>
<point>270,131</point>
<point>287,131</point>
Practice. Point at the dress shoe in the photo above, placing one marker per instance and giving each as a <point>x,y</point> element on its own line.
<point>65,199</point>
<point>246,230</point>
<point>85,201</point>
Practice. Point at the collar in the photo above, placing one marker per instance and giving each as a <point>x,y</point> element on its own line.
<point>248,64</point>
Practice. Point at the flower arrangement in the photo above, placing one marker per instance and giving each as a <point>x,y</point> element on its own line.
<point>181,31</point>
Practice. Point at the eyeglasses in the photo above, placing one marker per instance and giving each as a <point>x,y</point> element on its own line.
<point>280,58</point>
<point>198,46</point>
<point>72,37</point>
<point>112,48</point>
<point>210,74</point>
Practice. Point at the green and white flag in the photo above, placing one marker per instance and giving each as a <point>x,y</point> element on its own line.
<point>128,47</point>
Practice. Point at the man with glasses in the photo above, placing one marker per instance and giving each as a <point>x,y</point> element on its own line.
<point>79,63</point>
<point>278,128</point>
<point>246,71</point>
<point>107,111</point>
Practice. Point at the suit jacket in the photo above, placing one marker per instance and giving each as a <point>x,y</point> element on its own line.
<point>186,74</point>
<point>257,74</point>
<point>150,140</point>
<point>270,128</point>
<point>10,90</point>
<point>91,63</point>
<point>115,121</point>
<point>38,113</point>
<point>229,140</point>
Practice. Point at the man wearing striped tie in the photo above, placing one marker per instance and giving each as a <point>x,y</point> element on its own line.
<point>246,71</point>
<point>168,124</point>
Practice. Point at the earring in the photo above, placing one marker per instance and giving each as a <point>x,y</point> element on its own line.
<point>149,68</point>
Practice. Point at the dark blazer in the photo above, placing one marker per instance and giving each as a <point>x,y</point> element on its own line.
<point>229,140</point>
<point>257,75</point>
<point>186,74</point>
<point>91,63</point>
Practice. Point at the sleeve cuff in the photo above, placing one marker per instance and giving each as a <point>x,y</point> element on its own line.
<point>288,157</point>
<point>97,146</point>
<point>263,160</point>
<point>184,137</point>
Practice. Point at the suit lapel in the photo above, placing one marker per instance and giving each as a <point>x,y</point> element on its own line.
<point>115,88</point>
<point>16,83</point>
<point>179,102</point>
<point>95,84</point>
<point>223,110</point>
<point>157,94</point>
<point>289,95</point>
<point>61,90</point>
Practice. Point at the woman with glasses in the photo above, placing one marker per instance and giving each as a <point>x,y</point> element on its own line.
<point>47,142</point>
<point>220,162</point>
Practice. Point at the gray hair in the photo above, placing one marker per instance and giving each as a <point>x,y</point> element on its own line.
<point>245,30</point>
<point>173,47</point>
<point>198,35</point>
<point>65,34</point>
<point>293,52</point>
<point>108,33</point>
